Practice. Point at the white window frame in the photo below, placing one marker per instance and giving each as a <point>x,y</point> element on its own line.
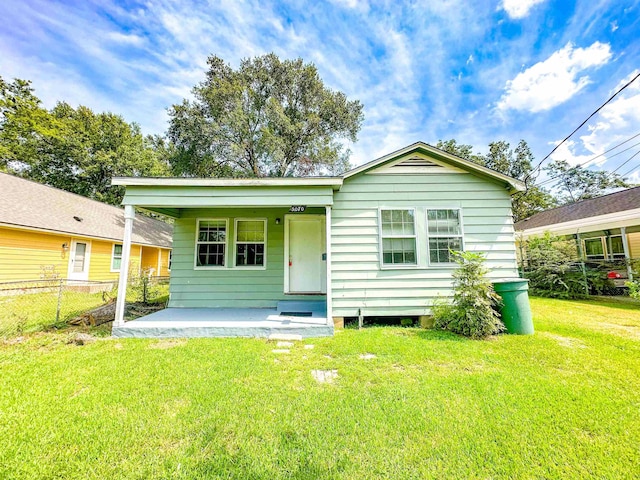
<point>169,260</point>
<point>235,243</point>
<point>226,245</point>
<point>381,237</point>
<point>113,256</point>
<point>603,244</point>
<point>611,254</point>
<point>429,236</point>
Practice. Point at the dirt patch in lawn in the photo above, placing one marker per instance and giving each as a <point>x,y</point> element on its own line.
<point>169,343</point>
<point>563,341</point>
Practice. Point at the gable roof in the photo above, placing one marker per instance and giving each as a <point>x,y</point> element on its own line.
<point>421,147</point>
<point>607,204</point>
<point>24,203</point>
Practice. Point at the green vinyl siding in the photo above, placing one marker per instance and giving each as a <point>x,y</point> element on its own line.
<point>360,282</point>
<point>230,286</point>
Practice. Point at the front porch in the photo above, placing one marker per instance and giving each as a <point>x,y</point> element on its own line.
<point>303,319</point>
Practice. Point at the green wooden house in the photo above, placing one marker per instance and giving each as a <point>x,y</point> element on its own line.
<point>301,252</point>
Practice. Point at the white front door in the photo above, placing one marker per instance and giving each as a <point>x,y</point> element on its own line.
<point>79,260</point>
<point>305,260</point>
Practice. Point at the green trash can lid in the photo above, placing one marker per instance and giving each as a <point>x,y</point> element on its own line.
<point>509,284</point>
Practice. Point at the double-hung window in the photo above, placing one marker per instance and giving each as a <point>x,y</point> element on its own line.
<point>398,235</point>
<point>444,229</point>
<point>116,257</point>
<point>211,243</point>
<point>250,242</point>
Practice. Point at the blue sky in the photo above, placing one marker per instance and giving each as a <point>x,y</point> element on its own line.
<point>474,71</point>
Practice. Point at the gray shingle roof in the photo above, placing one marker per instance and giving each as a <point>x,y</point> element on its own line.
<point>29,204</point>
<point>614,202</point>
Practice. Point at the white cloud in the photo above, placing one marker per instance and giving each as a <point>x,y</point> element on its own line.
<point>616,123</point>
<point>555,80</point>
<point>124,38</point>
<point>517,9</point>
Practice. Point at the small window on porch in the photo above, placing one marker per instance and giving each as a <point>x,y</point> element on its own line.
<point>116,257</point>
<point>594,248</point>
<point>211,243</point>
<point>617,248</point>
<point>250,243</point>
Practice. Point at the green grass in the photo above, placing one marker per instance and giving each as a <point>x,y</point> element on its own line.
<point>37,311</point>
<point>563,403</point>
<point>26,313</point>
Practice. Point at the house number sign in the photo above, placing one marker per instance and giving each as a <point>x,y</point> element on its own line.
<point>297,208</point>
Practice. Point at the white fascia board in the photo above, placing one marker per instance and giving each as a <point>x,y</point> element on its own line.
<point>516,185</point>
<point>627,218</point>
<point>334,182</point>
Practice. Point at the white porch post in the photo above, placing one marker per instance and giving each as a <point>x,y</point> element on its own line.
<point>129,215</point>
<point>328,253</point>
<point>625,248</point>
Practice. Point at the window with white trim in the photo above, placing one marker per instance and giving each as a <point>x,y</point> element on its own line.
<point>169,260</point>
<point>251,237</point>
<point>398,235</point>
<point>594,248</point>
<point>617,247</point>
<point>116,257</point>
<point>211,243</point>
<point>444,229</point>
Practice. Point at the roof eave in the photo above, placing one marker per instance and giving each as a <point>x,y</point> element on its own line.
<point>334,182</point>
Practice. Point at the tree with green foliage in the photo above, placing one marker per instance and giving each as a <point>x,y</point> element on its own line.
<point>270,117</point>
<point>473,312</point>
<point>579,183</point>
<point>73,149</point>
<point>515,163</point>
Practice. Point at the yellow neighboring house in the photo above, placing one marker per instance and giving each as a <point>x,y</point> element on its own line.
<point>50,233</point>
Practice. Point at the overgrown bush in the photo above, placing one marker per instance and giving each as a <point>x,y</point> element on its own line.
<point>473,310</point>
<point>634,289</point>
<point>554,271</point>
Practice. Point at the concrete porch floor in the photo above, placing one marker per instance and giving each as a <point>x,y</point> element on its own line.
<point>231,322</point>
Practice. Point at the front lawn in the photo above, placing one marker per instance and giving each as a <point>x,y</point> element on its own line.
<point>564,403</point>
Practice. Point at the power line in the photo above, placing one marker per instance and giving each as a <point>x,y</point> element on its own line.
<point>552,178</point>
<point>625,162</point>
<point>627,173</point>
<point>537,167</point>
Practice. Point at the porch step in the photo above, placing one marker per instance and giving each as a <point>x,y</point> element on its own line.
<point>311,308</point>
<point>131,330</point>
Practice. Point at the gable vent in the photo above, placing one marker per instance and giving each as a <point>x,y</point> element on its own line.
<point>417,162</point>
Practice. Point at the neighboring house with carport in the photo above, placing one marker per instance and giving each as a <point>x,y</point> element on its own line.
<point>48,233</point>
<point>605,228</point>
<point>373,242</point>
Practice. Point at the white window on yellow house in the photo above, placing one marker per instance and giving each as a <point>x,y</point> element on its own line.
<point>444,228</point>
<point>116,257</point>
<point>251,237</point>
<point>398,237</point>
<point>594,248</point>
<point>617,247</point>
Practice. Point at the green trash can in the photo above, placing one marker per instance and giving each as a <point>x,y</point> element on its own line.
<point>515,310</point>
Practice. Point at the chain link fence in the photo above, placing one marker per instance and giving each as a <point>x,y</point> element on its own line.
<point>28,306</point>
